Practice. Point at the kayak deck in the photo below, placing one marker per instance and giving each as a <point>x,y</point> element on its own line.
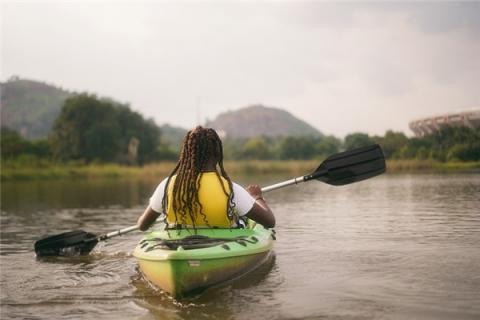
<point>182,263</point>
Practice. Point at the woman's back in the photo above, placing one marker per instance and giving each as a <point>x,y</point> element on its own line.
<point>213,199</point>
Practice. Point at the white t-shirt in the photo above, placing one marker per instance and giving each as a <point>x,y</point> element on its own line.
<point>242,199</point>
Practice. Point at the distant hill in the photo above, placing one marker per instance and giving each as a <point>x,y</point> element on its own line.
<point>30,107</point>
<point>172,136</point>
<point>259,120</point>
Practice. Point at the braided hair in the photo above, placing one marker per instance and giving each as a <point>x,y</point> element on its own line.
<point>201,148</point>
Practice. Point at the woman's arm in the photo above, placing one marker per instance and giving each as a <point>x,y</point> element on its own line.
<point>147,219</point>
<point>260,211</point>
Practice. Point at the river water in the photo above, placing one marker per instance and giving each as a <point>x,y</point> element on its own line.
<point>392,247</point>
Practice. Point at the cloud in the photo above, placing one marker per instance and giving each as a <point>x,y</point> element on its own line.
<point>435,17</point>
<point>441,17</point>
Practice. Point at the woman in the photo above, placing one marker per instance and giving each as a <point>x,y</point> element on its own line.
<point>199,193</point>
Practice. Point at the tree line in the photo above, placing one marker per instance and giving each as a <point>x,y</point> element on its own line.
<point>448,144</point>
<point>90,129</point>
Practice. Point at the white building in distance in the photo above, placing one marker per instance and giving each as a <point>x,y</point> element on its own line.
<point>425,126</point>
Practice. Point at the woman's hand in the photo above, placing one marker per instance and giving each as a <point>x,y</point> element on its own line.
<point>148,218</point>
<point>260,211</point>
<point>255,191</point>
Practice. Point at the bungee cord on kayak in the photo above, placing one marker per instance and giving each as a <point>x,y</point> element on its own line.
<point>195,242</point>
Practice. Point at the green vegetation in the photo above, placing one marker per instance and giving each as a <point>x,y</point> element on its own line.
<point>15,146</point>
<point>53,170</point>
<point>88,130</point>
<point>94,136</point>
<point>116,133</point>
<point>455,144</point>
<point>452,149</point>
<point>281,148</point>
<point>43,169</point>
<point>451,144</point>
<point>417,165</point>
<point>13,170</point>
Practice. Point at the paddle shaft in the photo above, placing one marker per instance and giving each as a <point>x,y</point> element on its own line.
<point>283,184</point>
<point>315,175</point>
<point>117,233</point>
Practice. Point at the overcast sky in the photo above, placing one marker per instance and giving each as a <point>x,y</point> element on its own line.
<point>341,67</point>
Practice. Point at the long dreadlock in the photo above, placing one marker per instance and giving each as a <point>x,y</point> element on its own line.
<point>201,147</point>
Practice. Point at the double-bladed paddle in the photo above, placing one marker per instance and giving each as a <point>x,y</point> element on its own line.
<point>339,169</point>
<point>343,168</point>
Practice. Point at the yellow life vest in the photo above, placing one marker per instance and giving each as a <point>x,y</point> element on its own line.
<point>212,198</point>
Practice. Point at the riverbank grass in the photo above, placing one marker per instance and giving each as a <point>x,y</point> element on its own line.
<point>422,166</point>
<point>245,167</point>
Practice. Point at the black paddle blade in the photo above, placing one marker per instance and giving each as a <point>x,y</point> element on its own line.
<point>72,243</point>
<point>351,166</point>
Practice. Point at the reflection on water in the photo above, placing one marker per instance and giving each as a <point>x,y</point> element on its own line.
<point>397,246</point>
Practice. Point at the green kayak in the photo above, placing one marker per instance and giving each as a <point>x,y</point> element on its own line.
<point>183,263</point>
